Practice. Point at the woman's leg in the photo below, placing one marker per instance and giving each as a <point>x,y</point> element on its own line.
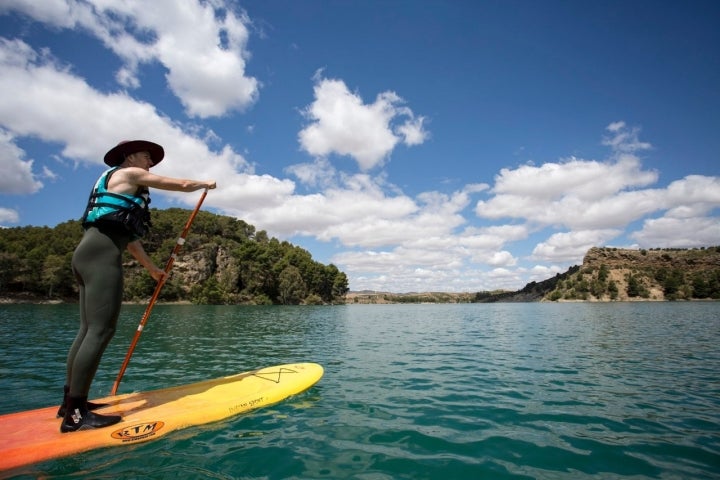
<point>82,331</point>
<point>97,263</point>
<point>98,267</point>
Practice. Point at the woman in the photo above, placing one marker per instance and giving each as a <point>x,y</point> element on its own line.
<point>116,217</point>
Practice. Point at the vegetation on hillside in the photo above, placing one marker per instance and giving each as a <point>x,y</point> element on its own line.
<point>670,274</point>
<point>224,261</point>
<point>370,297</point>
<point>532,292</point>
<point>614,274</point>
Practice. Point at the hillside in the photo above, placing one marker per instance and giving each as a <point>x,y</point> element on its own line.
<point>613,274</point>
<point>224,261</point>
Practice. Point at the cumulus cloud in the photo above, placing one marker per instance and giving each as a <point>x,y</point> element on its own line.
<point>575,193</point>
<point>65,108</point>
<point>567,247</point>
<point>579,193</point>
<point>341,123</point>
<point>679,232</point>
<point>203,45</point>
<point>316,173</point>
<point>694,194</point>
<point>8,216</point>
<point>17,174</point>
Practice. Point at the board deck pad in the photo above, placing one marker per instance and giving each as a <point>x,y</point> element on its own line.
<point>34,435</point>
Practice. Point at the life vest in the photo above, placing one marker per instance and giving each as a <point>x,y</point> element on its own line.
<point>118,209</point>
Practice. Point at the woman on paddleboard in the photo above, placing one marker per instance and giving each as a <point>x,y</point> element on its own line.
<point>116,217</point>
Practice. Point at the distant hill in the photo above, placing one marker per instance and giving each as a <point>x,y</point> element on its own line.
<point>609,274</point>
<point>373,297</point>
<point>606,274</point>
<point>616,274</point>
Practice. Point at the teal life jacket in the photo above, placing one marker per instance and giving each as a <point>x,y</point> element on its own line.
<point>131,212</point>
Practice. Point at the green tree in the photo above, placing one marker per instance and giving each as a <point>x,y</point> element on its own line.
<point>56,273</point>
<point>673,283</point>
<point>208,293</point>
<point>138,287</point>
<point>603,273</point>
<point>555,295</point>
<point>9,266</point>
<point>340,284</point>
<point>292,288</point>
<point>598,288</point>
<point>634,286</point>
<point>613,290</point>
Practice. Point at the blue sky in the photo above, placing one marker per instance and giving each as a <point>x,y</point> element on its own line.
<point>418,145</point>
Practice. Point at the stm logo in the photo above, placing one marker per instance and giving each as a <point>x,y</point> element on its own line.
<point>137,432</point>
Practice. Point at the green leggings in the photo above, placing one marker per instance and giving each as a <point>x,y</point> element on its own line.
<point>97,264</point>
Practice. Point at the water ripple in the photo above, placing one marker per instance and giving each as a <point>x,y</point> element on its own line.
<point>410,391</point>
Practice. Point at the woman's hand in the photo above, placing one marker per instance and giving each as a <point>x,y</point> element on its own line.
<point>136,250</point>
<point>156,273</point>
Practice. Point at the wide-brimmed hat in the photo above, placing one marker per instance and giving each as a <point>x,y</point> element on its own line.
<point>116,155</point>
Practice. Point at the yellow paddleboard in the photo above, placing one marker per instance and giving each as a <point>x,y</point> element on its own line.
<point>34,436</point>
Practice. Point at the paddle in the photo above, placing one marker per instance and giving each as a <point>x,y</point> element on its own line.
<point>158,287</point>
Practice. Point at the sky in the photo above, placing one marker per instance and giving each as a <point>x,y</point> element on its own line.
<point>418,145</point>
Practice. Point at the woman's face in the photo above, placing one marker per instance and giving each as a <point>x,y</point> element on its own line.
<point>141,160</point>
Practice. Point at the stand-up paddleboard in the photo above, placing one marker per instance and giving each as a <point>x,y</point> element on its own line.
<point>34,436</point>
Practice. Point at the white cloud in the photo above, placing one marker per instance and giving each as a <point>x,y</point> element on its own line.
<point>17,175</point>
<point>213,82</point>
<point>359,213</point>
<point>412,131</point>
<point>8,215</point>
<point>408,270</point>
<point>65,108</point>
<point>624,140</point>
<point>584,179</point>
<point>203,45</point>
<point>596,201</point>
<point>340,123</point>
<point>539,273</point>
<point>577,193</point>
<point>53,12</point>
<point>697,193</point>
<point>317,173</point>
<point>568,247</point>
<point>502,258</point>
<point>679,232</point>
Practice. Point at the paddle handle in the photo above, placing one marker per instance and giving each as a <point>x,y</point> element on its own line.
<point>168,266</point>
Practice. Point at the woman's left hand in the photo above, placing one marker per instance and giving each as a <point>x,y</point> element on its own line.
<point>157,274</point>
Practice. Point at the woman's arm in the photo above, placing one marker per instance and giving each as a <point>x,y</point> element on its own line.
<point>136,250</point>
<point>126,180</point>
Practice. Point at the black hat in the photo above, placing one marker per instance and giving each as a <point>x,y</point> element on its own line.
<point>116,155</point>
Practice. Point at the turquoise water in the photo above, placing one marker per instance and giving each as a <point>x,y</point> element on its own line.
<point>507,391</point>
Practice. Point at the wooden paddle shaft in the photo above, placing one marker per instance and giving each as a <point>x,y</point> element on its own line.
<point>156,293</point>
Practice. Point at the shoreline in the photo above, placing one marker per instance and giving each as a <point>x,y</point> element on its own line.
<point>27,300</point>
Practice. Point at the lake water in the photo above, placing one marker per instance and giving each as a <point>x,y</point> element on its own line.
<point>498,391</point>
